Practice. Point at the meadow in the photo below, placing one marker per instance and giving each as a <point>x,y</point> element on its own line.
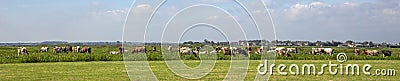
<point>100,65</point>
<point>115,71</point>
<point>8,54</point>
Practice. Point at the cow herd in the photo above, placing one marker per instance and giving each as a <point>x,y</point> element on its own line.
<point>329,51</point>
<point>56,49</point>
<point>385,53</point>
<point>245,51</point>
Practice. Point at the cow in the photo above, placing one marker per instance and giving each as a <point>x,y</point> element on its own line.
<point>139,49</point>
<point>154,49</point>
<point>322,51</point>
<point>22,50</point>
<point>226,51</point>
<point>242,51</point>
<point>283,52</point>
<point>121,50</point>
<point>249,49</point>
<point>259,50</point>
<point>86,50</point>
<point>328,51</point>
<point>218,49</point>
<point>279,48</point>
<point>197,51</point>
<point>44,49</point>
<point>291,50</point>
<point>60,50</point>
<point>315,51</point>
<point>186,50</point>
<point>69,48</point>
<point>370,52</point>
<point>76,49</point>
<point>386,53</point>
<point>357,51</point>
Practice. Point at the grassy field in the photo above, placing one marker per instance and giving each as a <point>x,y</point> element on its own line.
<point>8,54</point>
<point>115,70</point>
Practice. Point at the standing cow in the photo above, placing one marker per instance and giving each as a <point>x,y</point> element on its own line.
<point>357,51</point>
<point>292,50</point>
<point>386,53</point>
<point>370,52</point>
<point>44,49</point>
<point>86,50</point>
<point>139,49</point>
<point>22,50</point>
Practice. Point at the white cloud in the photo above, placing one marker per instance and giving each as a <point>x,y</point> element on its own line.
<point>338,21</point>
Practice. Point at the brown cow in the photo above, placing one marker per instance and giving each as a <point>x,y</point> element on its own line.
<point>86,50</point>
<point>370,52</point>
<point>259,50</point>
<point>139,49</point>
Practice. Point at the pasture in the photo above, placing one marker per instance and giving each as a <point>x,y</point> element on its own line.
<point>8,54</point>
<point>115,70</point>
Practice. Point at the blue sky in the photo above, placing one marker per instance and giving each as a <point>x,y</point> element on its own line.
<point>103,20</point>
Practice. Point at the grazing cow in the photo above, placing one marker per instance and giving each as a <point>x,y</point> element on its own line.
<point>315,50</point>
<point>226,51</point>
<point>259,50</point>
<point>322,51</point>
<point>44,49</point>
<point>197,51</point>
<point>22,50</point>
<point>386,53</point>
<point>139,49</point>
<point>218,49</point>
<point>279,48</point>
<point>60,50</point>
<point>357,51</point>
<point>76,49</point>
<point>282,52</point>
<point>69,48</point>
<point>250,50</point>
<point>186,50</point>
<point>241,51</point>
<point>121,50</point>
<point>86,50</point>
<point>291,50</point>
<point>328,51</point>
<point>370,52</point>
<point>154,49</point>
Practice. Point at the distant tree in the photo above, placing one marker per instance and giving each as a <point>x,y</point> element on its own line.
<point>318,43</point>
<point>349,42</point>
<point>118,42</point>
<point>206,41</point>
<point>189,42</point>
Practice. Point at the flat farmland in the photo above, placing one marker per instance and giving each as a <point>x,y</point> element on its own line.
<point>115,70</point>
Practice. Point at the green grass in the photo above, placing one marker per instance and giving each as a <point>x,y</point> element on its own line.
<point>115,70</point>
